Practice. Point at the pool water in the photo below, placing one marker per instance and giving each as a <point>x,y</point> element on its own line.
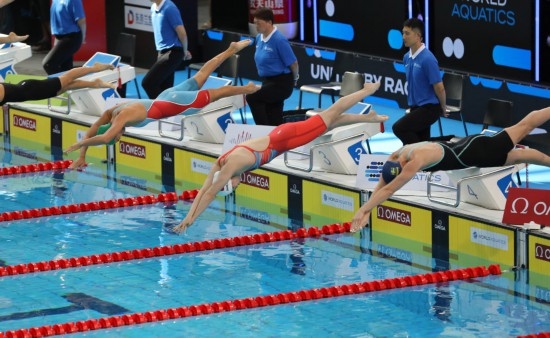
<point>479,307</point>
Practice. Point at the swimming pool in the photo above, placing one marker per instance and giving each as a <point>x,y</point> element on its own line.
<point>502,305</point>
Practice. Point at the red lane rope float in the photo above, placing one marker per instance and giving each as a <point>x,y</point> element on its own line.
<point>93,206</point>
<point>128,255</point>
<point>36,167</point>
<point>253,302</point>
<point>537,335</point>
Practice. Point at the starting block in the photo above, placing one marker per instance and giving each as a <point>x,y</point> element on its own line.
<point>92,101</point>
<point>11,54</point>
<point>209,124</point>
<point>485,187</point>
<point>337,151</point>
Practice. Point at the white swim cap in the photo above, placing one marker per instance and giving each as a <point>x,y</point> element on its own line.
<point>227,188</point>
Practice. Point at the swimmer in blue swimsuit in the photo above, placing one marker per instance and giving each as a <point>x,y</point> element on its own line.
<point>185,98</point>
<point>255,152</point>
<point>472,151</point>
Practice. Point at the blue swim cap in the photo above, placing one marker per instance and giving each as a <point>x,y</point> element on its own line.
<point>390,170</point>
<point>102,129</point>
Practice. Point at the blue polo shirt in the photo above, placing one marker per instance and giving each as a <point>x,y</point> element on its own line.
<point>64,15</point>
<point>422,73</point>
<point>274,56</point>
<point>165,19</point>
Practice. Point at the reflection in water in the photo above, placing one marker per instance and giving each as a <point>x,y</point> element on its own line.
<point>297,245</point>
<point>443,296</point>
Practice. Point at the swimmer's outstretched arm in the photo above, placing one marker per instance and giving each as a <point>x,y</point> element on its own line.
<point>381,193</point>
<point>90,133</point>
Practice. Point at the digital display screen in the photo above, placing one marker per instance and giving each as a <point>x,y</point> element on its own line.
<point>367,27</point>
<point>493,37</point>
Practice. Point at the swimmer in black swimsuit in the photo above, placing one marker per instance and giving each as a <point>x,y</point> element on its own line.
<point>255,152</point>
<point>472,151</point>
<point>27,90</point>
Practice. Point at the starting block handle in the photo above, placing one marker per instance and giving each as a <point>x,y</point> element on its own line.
<point>311,152</point>
<point>182,122</point>
<point>457,189</point>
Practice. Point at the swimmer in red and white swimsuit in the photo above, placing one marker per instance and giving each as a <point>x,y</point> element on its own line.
<point>185,98</point>
<point>254,153</point>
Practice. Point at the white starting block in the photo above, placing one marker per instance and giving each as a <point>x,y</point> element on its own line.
<point>92,101</point>
<point>485,187</point>
<point>10,54</point>
<point>207,125</point>
<point>337,151</point>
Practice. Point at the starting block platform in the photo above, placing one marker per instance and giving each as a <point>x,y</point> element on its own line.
<point>11,54</point>
<point>207,125</point>
<point>92,101</point>
<point>338,150</point>
<point>484,187</point>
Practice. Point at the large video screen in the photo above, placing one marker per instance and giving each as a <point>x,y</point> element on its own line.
<point>493,38</point>
<point>367,27</point>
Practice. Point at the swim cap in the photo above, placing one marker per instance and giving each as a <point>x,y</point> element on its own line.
<point>390,170</point>
<point>227,188</point>
<point>102,129</point>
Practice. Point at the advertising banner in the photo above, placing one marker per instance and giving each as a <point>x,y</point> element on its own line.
<point>527,205</point>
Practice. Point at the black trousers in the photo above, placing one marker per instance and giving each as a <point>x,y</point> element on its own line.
<point>60,57</point>
<point>161,75</point>
<point>415,126</point>
<point>266,105</point>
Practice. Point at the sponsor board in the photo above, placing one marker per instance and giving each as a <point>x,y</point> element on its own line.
<point>191,169</point>
<point>323,204</point>
<point>73,133</point>
<point>539,256</point>
<point>140,154</point>
<point>474,243</point>
<point>403,220</point>
<point>25,125</point>
<point>263,185</point>
<point>370,169</point>
<point>527,205</point>
<point>138,18</point>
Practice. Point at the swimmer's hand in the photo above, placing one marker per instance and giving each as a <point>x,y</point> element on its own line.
<point>360,219</point>
<point>182,226</point>
<point>80,163</point>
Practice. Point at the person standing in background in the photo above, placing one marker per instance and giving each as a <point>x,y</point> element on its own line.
<point>43,8</point>
<point>171,44</point>
<point>426,93</point>
<point>68,25</point>
<point>6,17</point>
<point>277,66</point>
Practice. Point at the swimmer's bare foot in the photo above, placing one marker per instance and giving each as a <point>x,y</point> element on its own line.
<point>372,116</point>
<point>98,83</point>
<point>98,66</point>
<point>12,37</point>
<point>251,88</point>
<point>235,47</point>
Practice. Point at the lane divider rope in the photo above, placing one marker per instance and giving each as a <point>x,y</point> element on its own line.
<point>35,167</point>
<point>254,302</point>
<point>168,250</point>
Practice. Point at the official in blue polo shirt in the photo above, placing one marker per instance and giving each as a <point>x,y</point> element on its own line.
<point>171,45</point>
<point>426,93</point>
<point>277,66</point>
<point>68,24</point>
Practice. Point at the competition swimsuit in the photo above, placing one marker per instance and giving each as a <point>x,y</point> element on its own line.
<point>184,98</point>
<point>31,90</point>
<point>284,137</point>
<point>474,151</point>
